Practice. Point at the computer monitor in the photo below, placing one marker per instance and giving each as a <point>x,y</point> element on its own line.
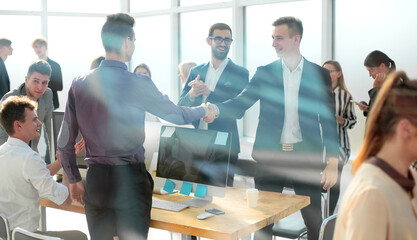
<point>199,157</point>
<point>57,118</point>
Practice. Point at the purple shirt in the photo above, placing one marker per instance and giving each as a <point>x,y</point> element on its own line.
<point>108,106</point>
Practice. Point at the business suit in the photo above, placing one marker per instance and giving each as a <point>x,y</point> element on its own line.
<point>302,167</point>
<point>4,79</point>
<point>232,81</point>
<point>44,112</point>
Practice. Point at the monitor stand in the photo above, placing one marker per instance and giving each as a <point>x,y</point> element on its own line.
<point>198,202</point>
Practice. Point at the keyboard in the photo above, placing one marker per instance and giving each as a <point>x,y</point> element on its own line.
<point>168,205</point>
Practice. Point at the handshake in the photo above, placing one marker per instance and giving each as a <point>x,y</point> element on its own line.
<point>212,112</point>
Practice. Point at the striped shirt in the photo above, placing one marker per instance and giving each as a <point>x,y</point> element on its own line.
<point>345,109</point>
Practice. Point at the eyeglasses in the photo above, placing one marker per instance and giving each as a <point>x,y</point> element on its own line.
<point>219,40</point>
<point>332,71</point>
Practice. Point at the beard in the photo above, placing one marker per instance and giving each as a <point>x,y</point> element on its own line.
<point>221,55</point>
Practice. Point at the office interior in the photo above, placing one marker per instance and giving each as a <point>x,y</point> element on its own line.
<point>172,31</point>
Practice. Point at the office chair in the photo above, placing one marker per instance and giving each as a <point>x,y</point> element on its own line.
<point>22,234</point>
<point>4,227</point>
<point>294,228</point>
<point>327,228</point>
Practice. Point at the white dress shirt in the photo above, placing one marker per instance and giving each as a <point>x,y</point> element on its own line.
<point>24,180</point>
<point>212,77</point>
<point>291,132</point>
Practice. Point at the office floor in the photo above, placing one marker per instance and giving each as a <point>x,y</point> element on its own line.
<point>62,220</point>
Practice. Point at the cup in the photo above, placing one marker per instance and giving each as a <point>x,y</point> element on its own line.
<point>252,197</point>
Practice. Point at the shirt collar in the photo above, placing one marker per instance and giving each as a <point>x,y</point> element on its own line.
<point>17,142</point>
<point>406,183</point>
<point>221,66</point>
<point>299,66</point>
<point>113,63</point>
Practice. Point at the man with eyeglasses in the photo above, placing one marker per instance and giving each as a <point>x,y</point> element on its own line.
<point>217,81</point>
<point>296,121</point>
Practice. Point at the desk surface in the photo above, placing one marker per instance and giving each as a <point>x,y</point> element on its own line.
<point>238,221</point>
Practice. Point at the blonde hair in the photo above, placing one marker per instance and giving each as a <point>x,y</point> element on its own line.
<point>396,100</point>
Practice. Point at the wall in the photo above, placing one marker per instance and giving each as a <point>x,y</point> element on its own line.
<point>364,26</point>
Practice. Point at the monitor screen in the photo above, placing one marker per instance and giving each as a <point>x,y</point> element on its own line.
<point>57,118</point>
<point>196,156</point>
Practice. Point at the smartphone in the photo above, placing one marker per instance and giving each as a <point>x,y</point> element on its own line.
<point>358,103</point>
<point>214,211</point>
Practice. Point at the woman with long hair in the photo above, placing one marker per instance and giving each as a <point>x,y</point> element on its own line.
<point>345,118</point>
<point>379,65</point>
<point>380,202</point>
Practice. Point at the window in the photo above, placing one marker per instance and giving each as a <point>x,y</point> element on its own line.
<point>76,49</point>
<point>21,31</point>
<point>90,6</point>
<point>193,46</point>
<point>146,5</point>
<point>153,47</point>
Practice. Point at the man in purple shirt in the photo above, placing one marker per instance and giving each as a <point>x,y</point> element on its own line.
<point>108,106</point>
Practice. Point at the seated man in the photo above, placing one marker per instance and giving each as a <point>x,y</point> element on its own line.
<point>24,176</point>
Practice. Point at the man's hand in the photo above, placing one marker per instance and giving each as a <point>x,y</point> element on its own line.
<point>79,147</point>
<point>212,112</point>
<point>77,192</point>
<point>329,177</point>
<point>198,88</point>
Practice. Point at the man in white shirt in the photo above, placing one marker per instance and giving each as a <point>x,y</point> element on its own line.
<point>296,121</point>
<point>24,176</point>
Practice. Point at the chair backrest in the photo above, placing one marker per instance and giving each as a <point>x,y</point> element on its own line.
<point>4,227</point>
<point>327,228</point>
<point>22,234</point>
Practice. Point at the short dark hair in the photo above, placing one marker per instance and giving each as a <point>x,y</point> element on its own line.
<point>39,66</point>
<point>375,58</point>
<point>40,41</point>
<point>12,109</point>
<point>117,27</point>
<point>5,42</point>
<point>219,26</point>
<point>295,26</point>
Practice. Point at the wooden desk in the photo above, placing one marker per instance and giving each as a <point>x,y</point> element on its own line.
<point>238,221</point>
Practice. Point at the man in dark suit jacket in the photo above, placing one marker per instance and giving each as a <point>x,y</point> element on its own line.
<point>5,50</point>
<point>296,121</point>
<point>217,81</point>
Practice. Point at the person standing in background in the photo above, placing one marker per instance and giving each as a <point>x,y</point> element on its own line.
<point>40,46</point>
<point>5,50</point>
<point>142,68</point>
<point>379,65</point>
<point>216,81</point>
<point>380,202</point>
<point>96,62</point>
<point>184,70</point>
<point>345,118</point>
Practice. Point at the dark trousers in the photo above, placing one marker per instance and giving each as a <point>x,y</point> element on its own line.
<point>232,168</point>
<point>302,171</point>
<point>335,190</point>
<point>118,201</point>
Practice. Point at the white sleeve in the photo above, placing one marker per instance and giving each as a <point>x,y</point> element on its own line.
<point>35,171</point>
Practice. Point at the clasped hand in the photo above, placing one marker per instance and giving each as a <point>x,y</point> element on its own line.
<point>212,112</point>
<point>198,88</point>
